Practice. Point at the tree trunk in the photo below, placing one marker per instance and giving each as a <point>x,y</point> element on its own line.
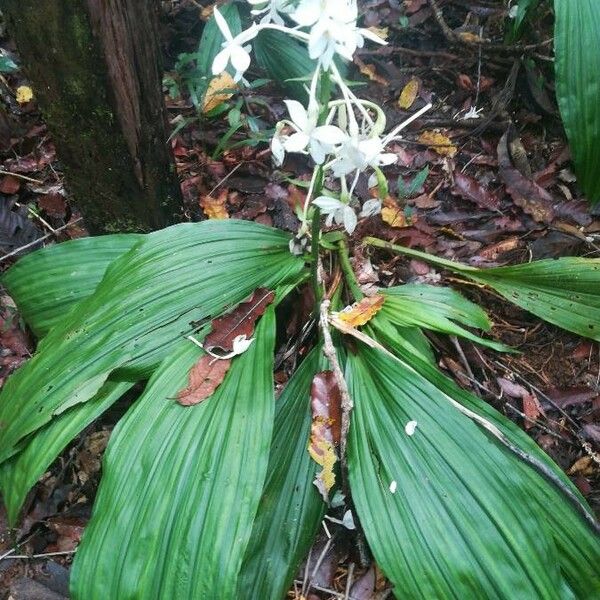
<point>94,66</point>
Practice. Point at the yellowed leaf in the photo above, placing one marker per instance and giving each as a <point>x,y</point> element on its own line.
<point>394,217</point>
<point>409,94</point>
<point>215,208</point>
<point>323,453</point>
<point>362,312</point>
<point>24,94</point>
<point>381,32</point>
<point>369,71</point>
<point>469,38</point>
<point>582,466</point>
<point>438,142</point>
<point>219,90</point>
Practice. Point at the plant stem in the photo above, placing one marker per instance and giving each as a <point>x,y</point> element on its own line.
<point>440,262</point>
<point>314,250</point>
<point>348,271</point>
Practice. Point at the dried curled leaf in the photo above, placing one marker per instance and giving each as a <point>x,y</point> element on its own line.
<point>362,312</point>
<point>325,429</point>
<point>239,322</point>
<point>438,142</point>
<point>205,377</point>
<point>409,94</point>
<point>219,90</point>
<point>214,208</point>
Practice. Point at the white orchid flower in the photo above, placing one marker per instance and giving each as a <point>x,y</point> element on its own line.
<point>337,211</point>
<point>271,10</point>
<point>358,153</point>
<point>320,140</point>
<point>233,51</point>
<point>333,29</point>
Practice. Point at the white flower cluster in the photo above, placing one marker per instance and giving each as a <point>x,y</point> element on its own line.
<point>344,138</point>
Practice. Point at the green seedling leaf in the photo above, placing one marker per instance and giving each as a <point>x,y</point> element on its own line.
<point>411,189</point>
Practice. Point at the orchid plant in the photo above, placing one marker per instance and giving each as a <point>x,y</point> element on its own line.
<point>212,488</point>
<point>345,136</point>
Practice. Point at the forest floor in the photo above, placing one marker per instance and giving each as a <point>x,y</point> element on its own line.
<point>499,191</point>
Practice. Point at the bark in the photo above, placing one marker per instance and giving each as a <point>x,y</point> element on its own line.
<point>95,69</point>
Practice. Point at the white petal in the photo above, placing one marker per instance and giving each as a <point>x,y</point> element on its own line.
<point>220,61</point>
<point>350,220</point>
<point>372,36</point>
<point>296,142</point>
<point>410,427</point>
<point>297,113</point>
<point>222,25</point>
<point>328,205</point>
<point>241,344</point>
<point>387,158</point>
<point>318,151</point>
<point>240,59</point>
<point>329,134</point>
<point>393,486</point>
<point>277,150</point>
<point>371,207</point>
<point>348,520</point>
<point>307,12</point>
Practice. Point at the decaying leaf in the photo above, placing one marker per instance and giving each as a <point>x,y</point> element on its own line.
<point>526,193</point>
<point>438,142</point>
<point>362,312</point>
<point>409,94</point>
<point>369,71</point>
<point>205,377</point>
<point>219,90</point>
<point>24,94</point>
<point>325,429</point>
<point>472,190</point>
<point>239,322</point>
<point>326,404</point>
<point>215,208</point>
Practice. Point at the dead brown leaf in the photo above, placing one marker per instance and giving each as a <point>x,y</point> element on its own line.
<point>409,94</point>
<point>325,429</point>
<point>9,185</point>
<point>438,142</point>
<point>240,321</point>
<point>214,208</point>
<point>205,377</point>
<point>362,312</point>
<point>528,195</point>
<point>219,90</point>
<point>470,189</point>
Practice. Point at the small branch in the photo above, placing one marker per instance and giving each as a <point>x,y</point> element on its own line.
<point>19,176</point>
<point>44,237</point>
<point>314,251</point>
<point>331,354</point>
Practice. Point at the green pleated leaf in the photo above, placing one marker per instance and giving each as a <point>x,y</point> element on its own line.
<point>286,61</point>
<point>46,284</point>
<point>466,517</point>
<point>576,35</point>
<point>20,472</point>
<point>181,485</point>
<point>290,509</point>
<point>565,291</point>
<point>149,299</point>
<point>436,308</point>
